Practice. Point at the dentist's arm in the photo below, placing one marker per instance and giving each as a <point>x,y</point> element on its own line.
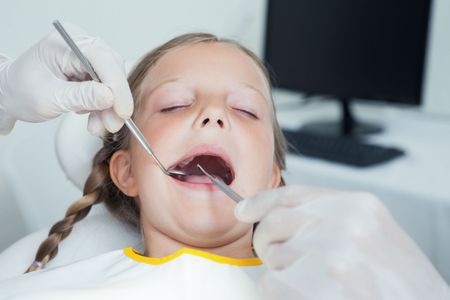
<point>48,80</point>
<point>322,244</point>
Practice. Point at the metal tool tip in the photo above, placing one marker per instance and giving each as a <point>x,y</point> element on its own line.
<point>204,172</point>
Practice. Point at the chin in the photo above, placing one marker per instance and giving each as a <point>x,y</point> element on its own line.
<point>212,231</point>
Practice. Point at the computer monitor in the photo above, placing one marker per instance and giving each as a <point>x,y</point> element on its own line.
<point>348,49</point>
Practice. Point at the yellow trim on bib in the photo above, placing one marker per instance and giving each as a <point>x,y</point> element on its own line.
<point>135,255</point>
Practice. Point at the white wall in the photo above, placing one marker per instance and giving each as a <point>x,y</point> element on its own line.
<point>437,89</point>
<point>131,27</point>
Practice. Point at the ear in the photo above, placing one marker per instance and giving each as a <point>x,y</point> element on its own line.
<point>276,176</point>
<point>121,173</point>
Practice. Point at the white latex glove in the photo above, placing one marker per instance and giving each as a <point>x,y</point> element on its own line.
<point>323,244</point>
<point>48,80</point>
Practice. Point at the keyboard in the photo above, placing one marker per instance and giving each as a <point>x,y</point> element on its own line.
<point>344,150</point>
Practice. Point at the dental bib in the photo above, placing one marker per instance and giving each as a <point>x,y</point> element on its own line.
<point>120,274</point>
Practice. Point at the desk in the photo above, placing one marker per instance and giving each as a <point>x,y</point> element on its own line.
<point>415,187</point>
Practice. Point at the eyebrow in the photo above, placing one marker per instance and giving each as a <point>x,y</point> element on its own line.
<point>247,85</point>
<point>242,83</point>
<point>161,84</point>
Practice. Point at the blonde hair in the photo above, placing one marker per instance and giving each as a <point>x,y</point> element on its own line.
<point>99,188</point>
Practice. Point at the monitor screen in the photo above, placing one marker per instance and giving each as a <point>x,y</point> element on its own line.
<point>365,49</point>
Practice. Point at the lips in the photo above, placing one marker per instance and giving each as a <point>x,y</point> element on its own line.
<point>212,158</point>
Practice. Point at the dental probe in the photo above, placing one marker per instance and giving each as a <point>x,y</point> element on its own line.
<point>128,122</point>
<point>225,188</point>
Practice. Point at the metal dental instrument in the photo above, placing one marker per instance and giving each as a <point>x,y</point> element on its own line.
<point>225,188</point>
<point>129,122</point>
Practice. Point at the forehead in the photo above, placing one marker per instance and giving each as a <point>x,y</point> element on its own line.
<point>211,65</point>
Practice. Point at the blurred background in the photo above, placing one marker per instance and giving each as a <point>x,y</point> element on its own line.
<point>362,92</point>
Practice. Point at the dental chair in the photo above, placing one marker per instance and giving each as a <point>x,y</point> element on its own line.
<point>98,233</point>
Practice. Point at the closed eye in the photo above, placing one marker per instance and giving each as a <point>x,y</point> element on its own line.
<point>249,113</point>
<point>173,108</point>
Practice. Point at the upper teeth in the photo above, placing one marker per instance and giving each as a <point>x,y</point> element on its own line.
<point>185,162</point>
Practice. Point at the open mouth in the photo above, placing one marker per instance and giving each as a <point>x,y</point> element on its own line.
<point>213,164</point>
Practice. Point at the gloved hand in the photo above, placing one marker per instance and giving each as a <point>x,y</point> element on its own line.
<point>48,80</point>
<point>324,244</point>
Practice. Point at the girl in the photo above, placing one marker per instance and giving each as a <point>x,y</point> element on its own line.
<point>202,100</point>
<point>197,99</point>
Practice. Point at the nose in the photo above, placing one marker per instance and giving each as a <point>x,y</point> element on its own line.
<point>213,115</point>
<point>208,120</point>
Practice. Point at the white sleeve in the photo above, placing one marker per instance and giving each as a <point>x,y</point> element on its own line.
<point>6,121</point>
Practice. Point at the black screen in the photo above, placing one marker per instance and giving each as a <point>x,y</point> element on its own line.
<point>370,49</point>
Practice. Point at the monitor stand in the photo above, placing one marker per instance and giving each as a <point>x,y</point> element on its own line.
<point>347,126</point>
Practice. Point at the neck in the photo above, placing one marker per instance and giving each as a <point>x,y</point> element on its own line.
<point>158,244</point>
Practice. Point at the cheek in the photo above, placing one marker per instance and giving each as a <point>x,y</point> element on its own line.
<point>162,134</point>
<point>153,191</point>
<point>145,171</point>
<point>151,181</point>
<point>258,149</point>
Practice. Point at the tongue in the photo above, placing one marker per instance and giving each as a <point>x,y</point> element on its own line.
<point>197,179</point>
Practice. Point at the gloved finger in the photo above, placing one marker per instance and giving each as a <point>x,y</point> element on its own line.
<point>111,120</point>
<point>100,121</point>
<point>276,230</point>
<point>60,58</point>
<point>110,68</point>
<point>95,124</point>
<point>316,235</point>
<point>84,96</point>
<point>281,255</point>
<point>253,209</point>
<point>276,227</point>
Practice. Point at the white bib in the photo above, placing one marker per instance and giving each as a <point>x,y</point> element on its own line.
<point>127,274</point>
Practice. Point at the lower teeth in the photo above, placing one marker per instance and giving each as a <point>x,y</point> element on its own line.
<point>199,179</point>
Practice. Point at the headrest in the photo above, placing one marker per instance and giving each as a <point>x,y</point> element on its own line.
<point>96,234</point>
<point>76,147</point>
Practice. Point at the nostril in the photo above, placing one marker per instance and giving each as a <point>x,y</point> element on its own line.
<point>219,122</point>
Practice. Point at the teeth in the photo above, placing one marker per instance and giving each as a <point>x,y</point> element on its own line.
<point>219,169</point>
<point>185,162</point>
<point>197,179</point>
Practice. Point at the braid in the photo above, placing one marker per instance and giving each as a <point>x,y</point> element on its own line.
<point>76,212</point>
<point>59,231</point>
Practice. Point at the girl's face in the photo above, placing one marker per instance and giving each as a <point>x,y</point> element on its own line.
<point>205,100</point>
